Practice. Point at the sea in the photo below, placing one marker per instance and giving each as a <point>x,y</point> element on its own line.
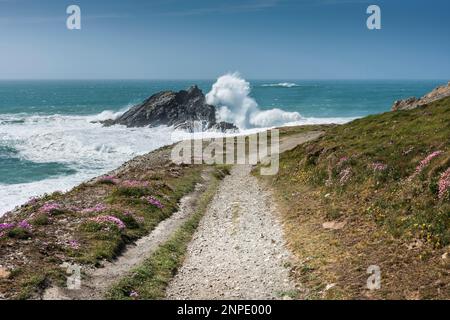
<point>51,140</point>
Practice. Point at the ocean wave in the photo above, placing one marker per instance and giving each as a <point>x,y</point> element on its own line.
<point>281,85</point>
<point>108,115</point>
<point>231,95</point>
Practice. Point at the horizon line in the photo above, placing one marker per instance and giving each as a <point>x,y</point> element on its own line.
<point>212,79</point>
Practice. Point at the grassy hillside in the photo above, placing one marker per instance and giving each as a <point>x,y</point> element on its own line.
<point>383,182</point>
<point>89,224</point>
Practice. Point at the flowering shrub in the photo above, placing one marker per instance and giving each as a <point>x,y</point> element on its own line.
<point>50,208</point>
<point>32,201</point>
<point>425,162</point>
<point>22,227</point>
<point>110,219</point>
<point>6,226</point>
<point>345,175</point>
<point>154,202</point>
<point>74,244</point>
<point>444,183</point>
<point>96,209</point>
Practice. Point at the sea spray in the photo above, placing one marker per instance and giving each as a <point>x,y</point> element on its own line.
<point>231,95</point>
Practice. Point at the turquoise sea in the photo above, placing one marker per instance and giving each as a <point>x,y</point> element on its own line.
<point>49,139</point>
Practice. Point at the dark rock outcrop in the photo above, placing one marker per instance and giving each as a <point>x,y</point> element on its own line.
<point>186,109</point>
<point>224,126</point>
<point>199,126</point>
<point>412,103</point>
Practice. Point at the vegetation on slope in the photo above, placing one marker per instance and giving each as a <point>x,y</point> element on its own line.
<point>383,182</point>
<point>92,222</point>
<point>149,281</point>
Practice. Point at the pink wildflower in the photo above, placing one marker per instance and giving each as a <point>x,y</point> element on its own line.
<point>6,226</point>
<point>74,244</point>
<point>425,162</point>
<point>24,225</point>
<point>154,202</point>
<point>97,208</point>
<point>444,183</point>
<point>50,207</point>
<point>32,201</point>
<point>105,219</point>
<point>345,175</point>
<point>74,208</point>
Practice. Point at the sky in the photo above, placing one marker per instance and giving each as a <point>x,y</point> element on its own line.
<point>199,39</point>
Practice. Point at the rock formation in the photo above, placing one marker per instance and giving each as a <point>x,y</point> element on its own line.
<point>185,110</point>
<point>412,103</point>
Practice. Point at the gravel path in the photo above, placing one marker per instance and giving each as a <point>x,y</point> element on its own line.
<point>238,250</point>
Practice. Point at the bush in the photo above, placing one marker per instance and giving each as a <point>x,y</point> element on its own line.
<point>19,233</point>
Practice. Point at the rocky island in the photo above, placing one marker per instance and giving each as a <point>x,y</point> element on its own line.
<point>186,110</point>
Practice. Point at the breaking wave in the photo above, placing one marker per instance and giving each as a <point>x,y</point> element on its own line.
<point>231,95</point>
<point>281,85</point>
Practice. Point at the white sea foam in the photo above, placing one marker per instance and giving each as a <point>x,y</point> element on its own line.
<point>231,94</point>
<point>281,85</point>
<point>107,115</point>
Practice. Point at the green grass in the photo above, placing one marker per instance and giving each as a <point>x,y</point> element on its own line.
<point>385,211</point>
<point>109,243</point>
<point>288,131</point>
<point>151,278</point>
<point>19,233</point>
<point>30,285</point>
<point>41,219</point>
<point>399,140</point>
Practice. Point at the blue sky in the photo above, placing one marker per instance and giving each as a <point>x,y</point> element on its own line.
<point>198,39</point>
